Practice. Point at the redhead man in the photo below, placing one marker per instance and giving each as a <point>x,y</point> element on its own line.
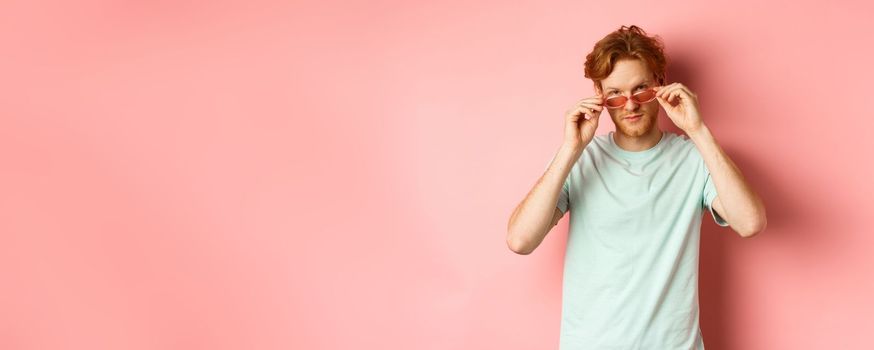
<point>636,198</point>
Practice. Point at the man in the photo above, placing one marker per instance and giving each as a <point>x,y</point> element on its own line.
<point>636,199</point>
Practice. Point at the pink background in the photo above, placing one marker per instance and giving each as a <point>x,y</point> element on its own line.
<point>339,175</point>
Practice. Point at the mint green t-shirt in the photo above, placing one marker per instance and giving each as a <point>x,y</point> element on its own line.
<point>631,262</point>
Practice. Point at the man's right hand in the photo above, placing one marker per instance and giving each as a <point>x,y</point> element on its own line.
<point>581,121</point>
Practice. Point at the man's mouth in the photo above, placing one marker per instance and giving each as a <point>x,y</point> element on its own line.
<point>633,117</point>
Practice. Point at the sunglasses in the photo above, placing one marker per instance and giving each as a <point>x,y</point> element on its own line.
<point>640,97</point>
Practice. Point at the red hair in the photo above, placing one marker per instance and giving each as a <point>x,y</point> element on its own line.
<point>626,43</point>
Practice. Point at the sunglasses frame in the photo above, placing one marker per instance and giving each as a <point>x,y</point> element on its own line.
<point>632,97</point>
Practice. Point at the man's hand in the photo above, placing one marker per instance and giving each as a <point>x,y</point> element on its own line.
<point>581,121</point>
<point>681,106</point>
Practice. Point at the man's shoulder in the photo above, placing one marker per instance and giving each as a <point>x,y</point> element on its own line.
<point>683,151</point>
<point>602,141</point>
<point>605,137</point>
<point>679,142</point>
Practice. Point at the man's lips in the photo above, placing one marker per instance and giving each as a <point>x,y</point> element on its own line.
<point>632,116</point>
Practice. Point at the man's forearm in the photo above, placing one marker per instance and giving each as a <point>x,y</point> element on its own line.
<point>530,221</point>
<point>743,209</point>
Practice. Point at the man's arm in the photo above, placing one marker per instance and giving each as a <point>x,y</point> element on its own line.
<point>535,216</point>
<point>737,203</point>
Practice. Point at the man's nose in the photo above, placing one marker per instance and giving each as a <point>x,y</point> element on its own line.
<point>630,105</point>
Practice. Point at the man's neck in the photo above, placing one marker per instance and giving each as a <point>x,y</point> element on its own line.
<point>639,143</point>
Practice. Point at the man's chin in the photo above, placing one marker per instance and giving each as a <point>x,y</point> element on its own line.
<point>641,127</point>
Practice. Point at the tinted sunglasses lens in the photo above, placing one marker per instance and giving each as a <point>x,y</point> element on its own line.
<point>645,97</point>
<point>614,102</point>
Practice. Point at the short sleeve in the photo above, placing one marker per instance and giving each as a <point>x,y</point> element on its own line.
<point>709,195</point>
<point>564,195</point>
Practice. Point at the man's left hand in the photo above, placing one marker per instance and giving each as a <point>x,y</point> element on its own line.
<point>681,105</point>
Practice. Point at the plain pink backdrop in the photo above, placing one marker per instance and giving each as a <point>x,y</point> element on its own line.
<point>339,175</point>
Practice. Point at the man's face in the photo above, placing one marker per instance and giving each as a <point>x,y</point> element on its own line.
<point>630,76</point>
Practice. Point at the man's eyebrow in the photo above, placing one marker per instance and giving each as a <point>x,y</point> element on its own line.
<point>613,88</point>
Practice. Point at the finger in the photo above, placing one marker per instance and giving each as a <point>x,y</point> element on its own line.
<point>593,100</point>
<point>590,113</point>
<point>680,85</point>
<point>664,103</point>
<point>673,96</point>
<point>659,89</point>
<point>589,103</point>
<point>682,93</point>
<point>667,93</point>
<point>583,112</point>
<point>593,112</point>
<point>660,92</point>
<point>664,90</point>
<point>592,106</point>
<point>688,92</point>
<point>596,97</point>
